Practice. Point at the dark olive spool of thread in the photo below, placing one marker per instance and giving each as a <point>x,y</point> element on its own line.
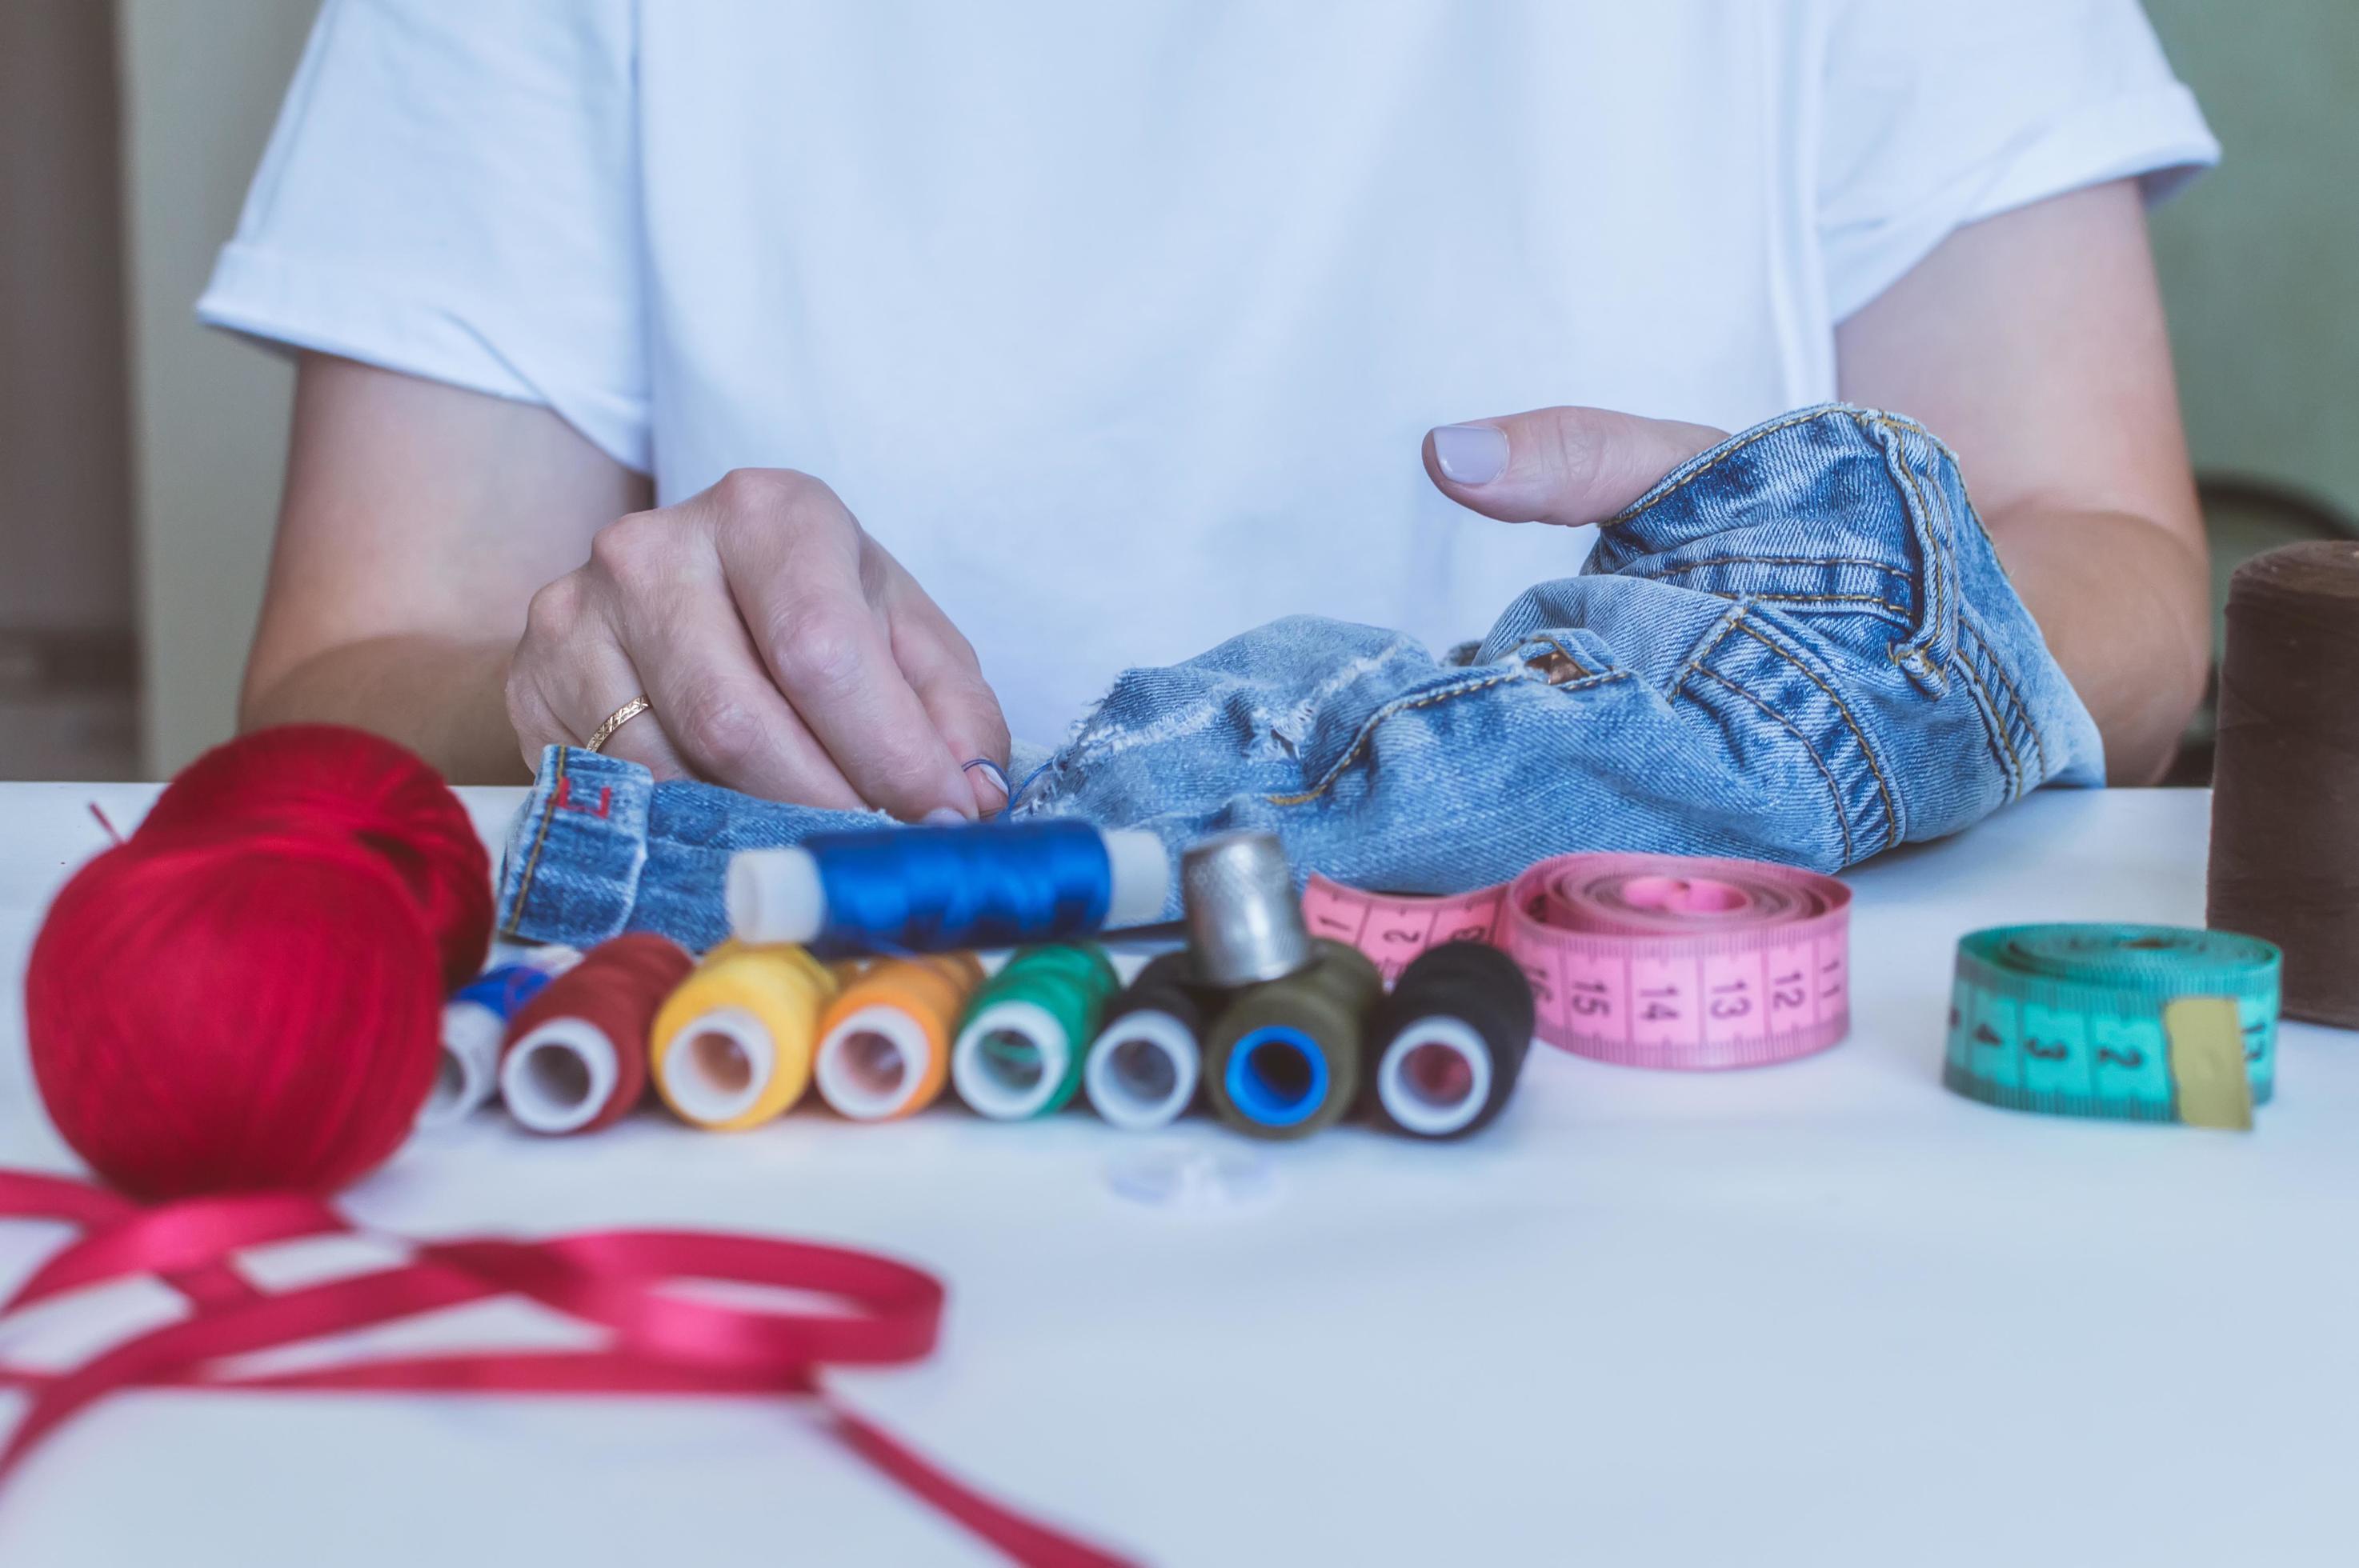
<point>2284,807</point>
<point>1484,995</point>
<point>1283,1059</point>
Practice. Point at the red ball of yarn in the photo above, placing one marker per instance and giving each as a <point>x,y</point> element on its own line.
<point>247,994</point>
<point>318,779</point>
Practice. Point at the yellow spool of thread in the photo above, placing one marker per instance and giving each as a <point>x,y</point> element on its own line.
<point>732,1047</point>
<point>885,1043</point>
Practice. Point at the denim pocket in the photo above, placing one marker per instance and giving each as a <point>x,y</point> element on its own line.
<point>1877,618</point>
<point>1846,520</point>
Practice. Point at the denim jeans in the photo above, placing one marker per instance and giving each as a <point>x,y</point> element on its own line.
<point>1798,646</point>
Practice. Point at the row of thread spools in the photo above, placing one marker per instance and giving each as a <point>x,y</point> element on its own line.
<point>1279,1034</point>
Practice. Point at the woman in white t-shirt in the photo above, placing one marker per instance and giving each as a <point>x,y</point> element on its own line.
<point>665,351</point>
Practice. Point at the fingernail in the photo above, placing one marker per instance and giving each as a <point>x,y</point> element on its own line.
<point>943,817</point>
<point>1471,454</point>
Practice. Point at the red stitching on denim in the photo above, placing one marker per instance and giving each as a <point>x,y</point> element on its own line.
<point>563,800</point>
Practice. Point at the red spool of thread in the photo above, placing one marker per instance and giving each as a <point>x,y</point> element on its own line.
<point>247,994</point>
<point>576,1058</point>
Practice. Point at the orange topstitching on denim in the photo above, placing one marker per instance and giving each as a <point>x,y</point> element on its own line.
<point>1891,812</point>
<point>1834,790</point>
<point>532,860</point>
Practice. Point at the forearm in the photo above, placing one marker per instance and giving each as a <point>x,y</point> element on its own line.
<point>2033,343</point>
<point>2124,604</point>
<point>418,522</point>
<point>443,697</point>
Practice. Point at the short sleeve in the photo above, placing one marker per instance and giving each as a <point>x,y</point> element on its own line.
<point>452,192</point>
<point>1939,112</point>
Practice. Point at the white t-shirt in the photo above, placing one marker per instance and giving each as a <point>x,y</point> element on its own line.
<point>1121,324</point>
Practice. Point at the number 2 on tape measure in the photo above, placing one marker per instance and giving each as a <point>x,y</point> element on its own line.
<point>1393,930</point>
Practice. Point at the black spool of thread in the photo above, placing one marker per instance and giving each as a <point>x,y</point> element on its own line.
<point>2285,802</point>
<point>1145,1065</point>
<point>1450,1041</point>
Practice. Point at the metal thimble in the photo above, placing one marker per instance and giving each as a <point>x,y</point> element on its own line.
<point>1245,923</point>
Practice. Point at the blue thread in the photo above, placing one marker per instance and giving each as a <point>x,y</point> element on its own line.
<point>1010,792</point>
<point>1260,1097</point>
<point>938,889</point>
<point>503,991</point>
<point>1016,793</point>
<point>998,776</point>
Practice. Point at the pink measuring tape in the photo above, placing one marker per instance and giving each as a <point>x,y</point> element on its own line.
<point>1647,960</point>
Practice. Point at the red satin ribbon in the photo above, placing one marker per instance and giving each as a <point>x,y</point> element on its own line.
<point>659,1342</point>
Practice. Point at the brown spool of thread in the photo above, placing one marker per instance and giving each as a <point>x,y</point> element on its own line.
<point>2285,803</point>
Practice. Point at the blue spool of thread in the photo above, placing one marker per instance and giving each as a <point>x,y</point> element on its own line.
<point>475,1021</point>
<point>503,990</point>
<point>940,890</point>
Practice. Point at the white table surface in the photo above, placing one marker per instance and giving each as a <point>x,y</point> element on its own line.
<point>1822,1314</point>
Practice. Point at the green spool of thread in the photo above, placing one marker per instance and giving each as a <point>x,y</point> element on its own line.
<point>1020,1047</point>
<point>1283,1059</point>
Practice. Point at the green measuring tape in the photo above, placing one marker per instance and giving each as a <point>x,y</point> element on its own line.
<point>2143,1022</point>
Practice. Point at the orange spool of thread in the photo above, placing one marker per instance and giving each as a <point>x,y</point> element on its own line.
<point>885,1045</point>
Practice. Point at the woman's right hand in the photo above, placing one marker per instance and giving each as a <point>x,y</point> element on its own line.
<point>783,652</point>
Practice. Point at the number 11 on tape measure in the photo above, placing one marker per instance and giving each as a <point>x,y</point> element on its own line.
<point>2135,1022</point>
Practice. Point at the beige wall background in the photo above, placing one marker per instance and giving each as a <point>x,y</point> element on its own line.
<point>201,80</point>
<point>2260,262</point>
<point>68,664</point>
